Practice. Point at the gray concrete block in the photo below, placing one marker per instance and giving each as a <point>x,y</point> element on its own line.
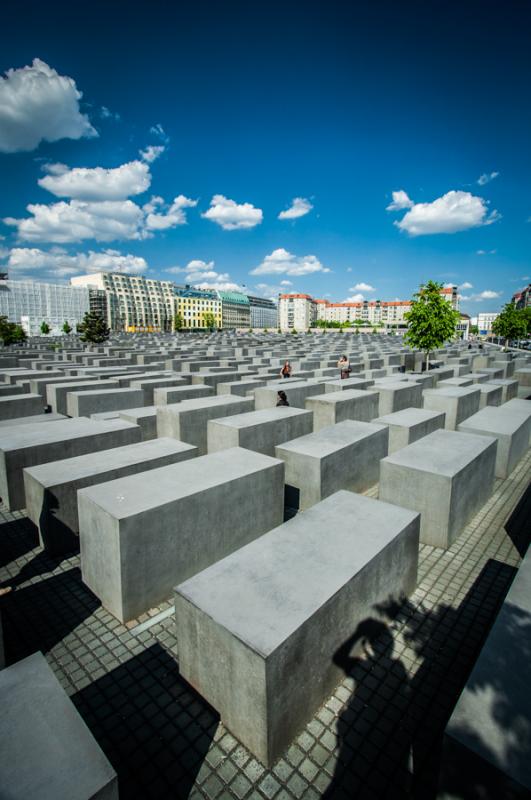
<point>447,476</point>
<point>165,397</point>
<point>508,385</point>
<point>343,456</point>
<point>329,409</point>
<point>145,418</point>
<point>141,535</point>
<point>260,431</point>
<point>511,431</point>
<point>29,445</point>
<point>83,404</point>
<point>7,389</point>
<point>51,489</point>
<point>56,393</point>
<point>263,634</point>
<point>296,392</point>
<point>31,420</point>
<point>48,753</point>
<point>20,405</point>
<point>397,396</point>
<point>409,425</point>
<point>187,421</point>
<point>490,395</point>
<point>457,402</point>
<point>150,384</point>
<point>487,750</point>
<point>348,383</point>
<point>240,387</point>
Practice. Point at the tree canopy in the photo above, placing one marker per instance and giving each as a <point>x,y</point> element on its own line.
<point>67,328</point>
<point>431,320</point>
<point>93,329</point>
<point>10,332</point>
<point>45,328</point>
<point>511,323</point>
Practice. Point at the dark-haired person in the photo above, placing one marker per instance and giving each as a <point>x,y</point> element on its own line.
<point>286,370</point>
<point>344,367</point>
<point>282,399</point>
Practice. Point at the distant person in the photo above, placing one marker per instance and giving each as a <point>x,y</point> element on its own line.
<point>282,399</point>
<point>344,367</point>
<point>286,370</point>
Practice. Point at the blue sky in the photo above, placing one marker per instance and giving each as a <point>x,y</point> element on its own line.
<point>198,126</point>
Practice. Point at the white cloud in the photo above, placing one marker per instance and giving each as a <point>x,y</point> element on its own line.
<point>174,215</point>
<point>362,287</point>
<point>105,113</point>
<point>465,285</point>
<point>77,220</point>
<point>400,201</point>
<point>487,294</point>
<point>158,130</point>
<point>229,286</point>
<point>455,211</point>
<point>36,104</point>
<point>299,207</point>
<point>487,177</point>
<point>56,263</point>
<point>281,262</point>
<point>271,292</point>
<point>485,252</point>
<point>286,283</point>
<point>98,183</point>
<point>349,269</point>
<point>355,298</point>
<point>152,152</point>
<point>231,216</point>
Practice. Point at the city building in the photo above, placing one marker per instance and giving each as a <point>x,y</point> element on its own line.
<point>264,313</point>
<point>296,312</point>
<point>193,304</point>
<point>451,294</point>
<point>463,326</point>
<point>236,309</point>
<point>30,303</point>
<point>522,299</point>
<point>133,303</point>
<point>485,320</point>
<point>370,312</point>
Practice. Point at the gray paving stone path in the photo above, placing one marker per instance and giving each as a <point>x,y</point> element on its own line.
<point>377,737</point>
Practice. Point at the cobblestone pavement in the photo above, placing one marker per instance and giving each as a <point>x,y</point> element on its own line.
<point>378,736</point>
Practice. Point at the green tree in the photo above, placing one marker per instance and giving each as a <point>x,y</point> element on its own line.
<point>510,324</point>
<point>67,328</point>
<point>474,330</point>
<point>45,328</point>
<point>94,328</point>
<point>209,320</point>
<point>526,313</point>
<point>293,330</point>
<point>10,332</point>
<point>178,322</point>
<point>431,321</point>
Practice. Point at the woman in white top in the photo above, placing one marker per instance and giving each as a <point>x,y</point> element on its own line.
<point>344,366</point>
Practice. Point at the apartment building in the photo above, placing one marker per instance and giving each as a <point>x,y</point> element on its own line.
<point>236,310</point>
<point>371,312</point>
<point>522,299</point>
<point>264,312</point>
<point>192,305</point>
<point>296,311</point>
<point>485,320</point>
<point>30,303</point>
<point>134,303</point>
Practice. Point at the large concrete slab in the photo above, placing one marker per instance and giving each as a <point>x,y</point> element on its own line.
<point>457,402</point>
<point>141,535</point>
<point>167,396</point>
<point>149,385</point>
<point>511,431</point>
<point>48,753</point>
<point>397,396</point>
<point>447,476</point>
<point>56,392</point>
<point>333,407</point>
<point>409,425</point>
<point>261,632</point>
<point>188,420</point>
<point>96,401</point>
<point>508,385</point>
<point>51,489</point>
<point>296,392</point>
<point>28,445</point>
<point>260,431</point>
<point>343,456</point>
<point>32,420</point>
<point>20,405</point>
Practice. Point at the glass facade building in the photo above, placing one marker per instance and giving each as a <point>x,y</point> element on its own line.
<point>30,303</point>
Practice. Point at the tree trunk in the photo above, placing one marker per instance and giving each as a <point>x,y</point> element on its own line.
<point>427,361</point>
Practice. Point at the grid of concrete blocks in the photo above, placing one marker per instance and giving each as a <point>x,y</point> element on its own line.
<point>220,558</point>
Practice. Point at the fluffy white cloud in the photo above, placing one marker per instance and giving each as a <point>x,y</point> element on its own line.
<point>56,263</point>
<point>464,286</point>
<point>487,177</point>
<point>106,113</point>
<point>485,252</point>
<point>36,104</point>
<point>355,298</point>
<point>455,211</point>
<point>281,262</point>
<point>400,201</point>
<point>77,220</point>
<point>487,294</point>
<point>299,207</point>
<point>231,216</point>
<point>152,152</point>
<point>286,283</point>
<point>97,183</point>
<point>362,287</point>
<point>174,215</point>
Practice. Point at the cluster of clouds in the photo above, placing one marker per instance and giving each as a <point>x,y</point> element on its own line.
<point>477,297</point>
<point>57,263</point>
<point>454,211</point>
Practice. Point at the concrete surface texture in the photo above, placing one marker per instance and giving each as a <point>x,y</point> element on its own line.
<point>409,425</point>
<point>333,407</point>
<point>457,402</point>
<point>511,431</point>
<point>188,420</point>
<point>260,431</point>
<point>262,633</point>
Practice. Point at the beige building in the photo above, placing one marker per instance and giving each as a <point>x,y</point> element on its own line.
<point>296,312</point>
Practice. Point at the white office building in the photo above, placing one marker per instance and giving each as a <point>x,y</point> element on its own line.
<point>485,320</point>
<point>30,303</point>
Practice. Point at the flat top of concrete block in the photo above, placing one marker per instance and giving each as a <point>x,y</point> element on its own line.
<point>452,391</point>
<point>346,394</point>
<point>253,418</point>
<point>518,404</point>
<point>5,398</point>
<point>138,413</point>
<point>38,434</point>
<point>501,382</point>
<point>33,419</point>
<point>97,392</point>
<point>47,750</point>
<point>203,402</point>
<point>495,419</point>
<point>127,497</point>
<point>394,385</point>
<point>443,452</point>
<point>69,469</point>
<point>265,591</point>
<point>330,439</point>
<point>409,417</point>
